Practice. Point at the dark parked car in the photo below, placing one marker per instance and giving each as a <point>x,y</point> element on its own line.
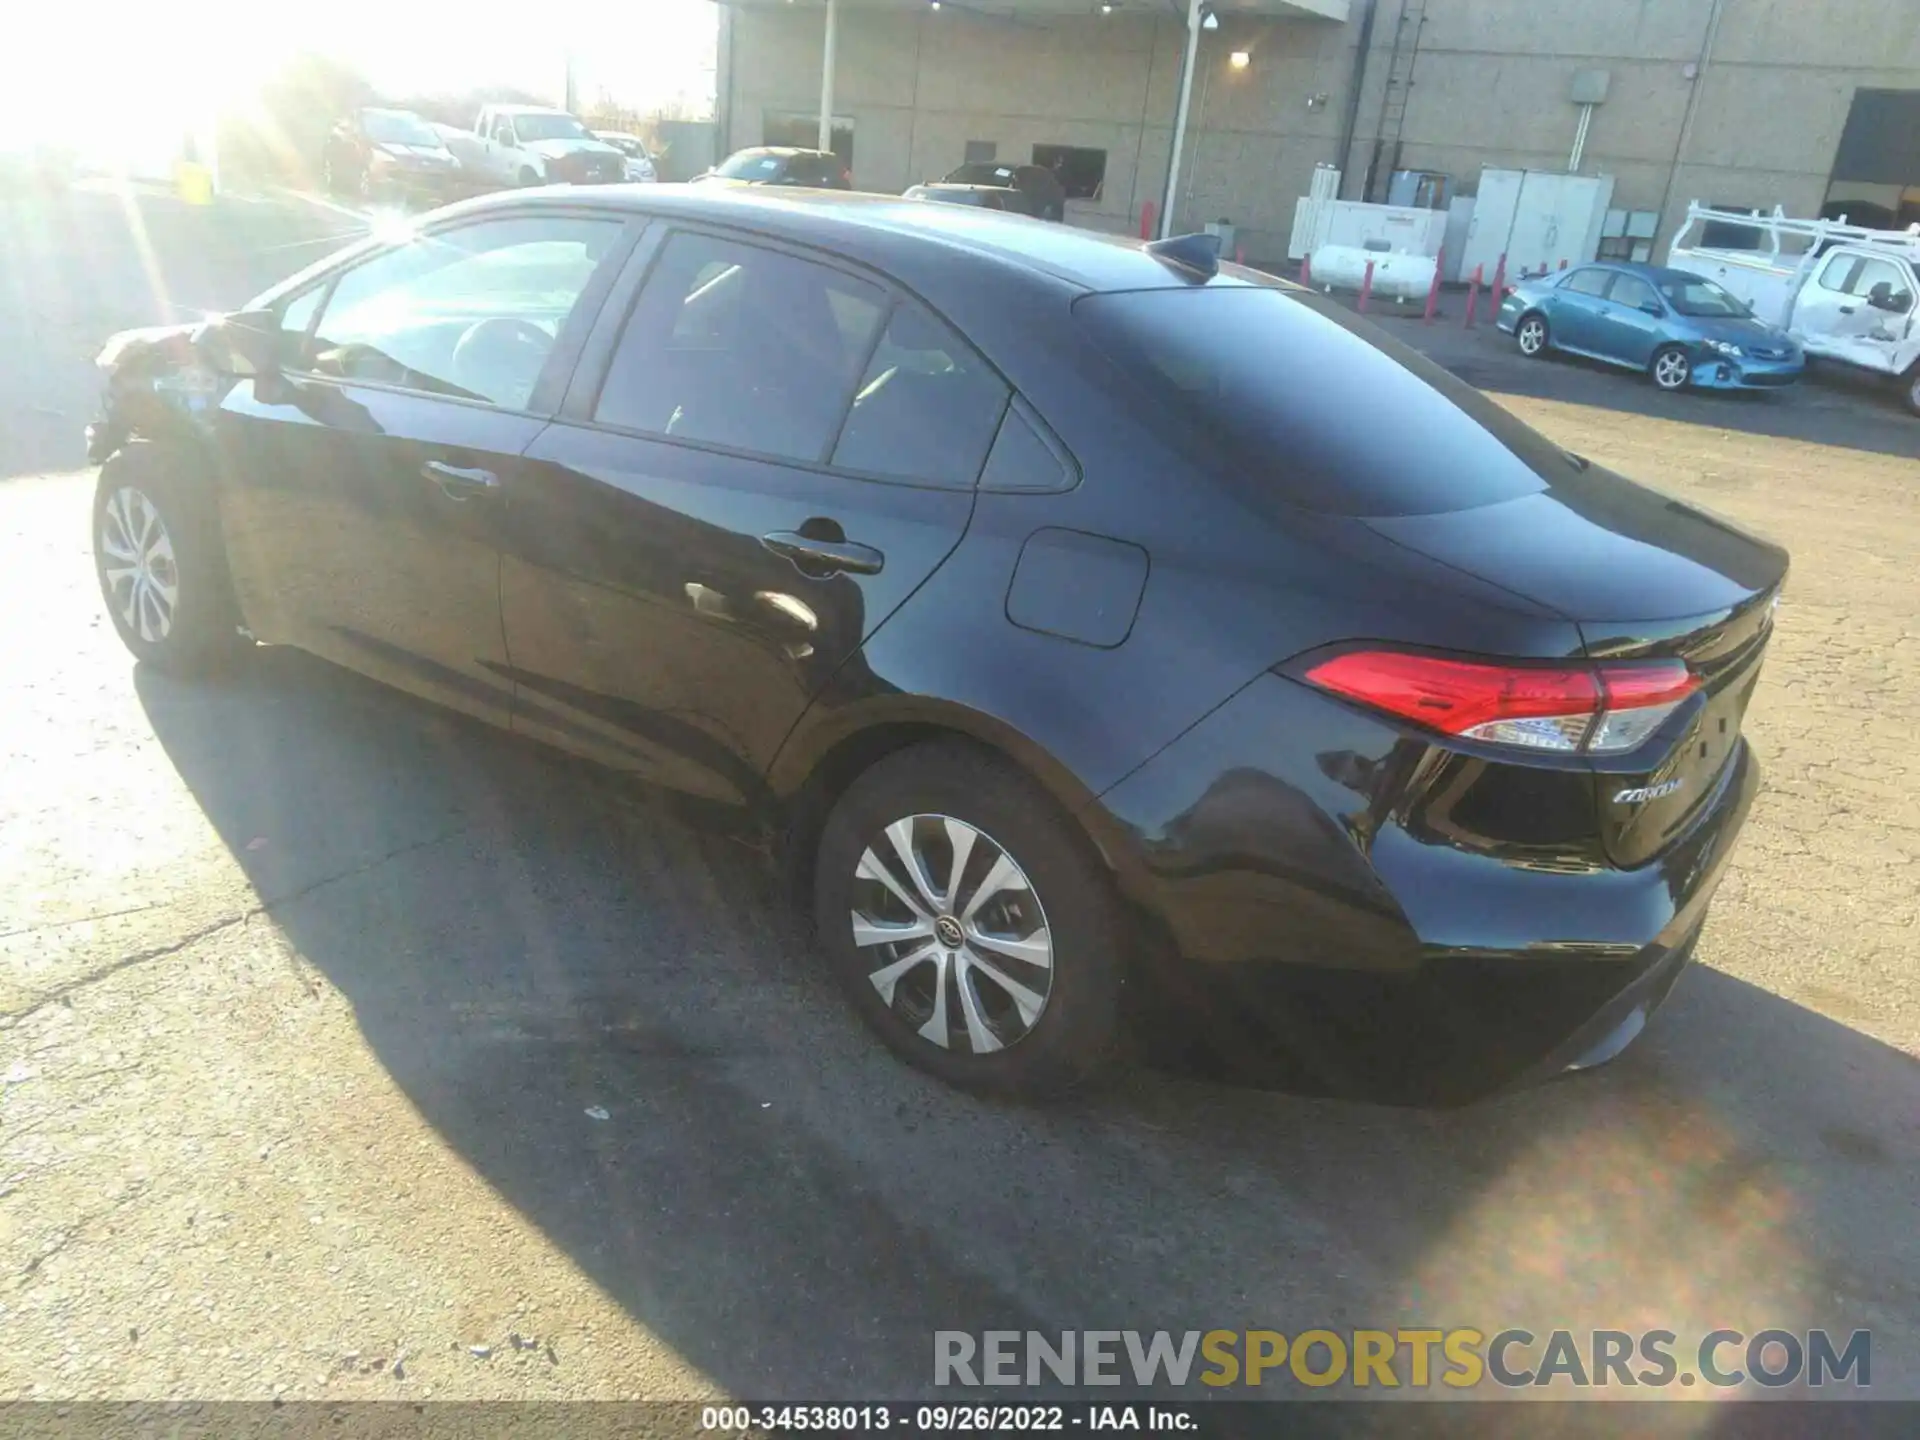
<point>376,154</point>
<point>981,197</point>
<point>1040,185</point>
<point>783,165</point>
<point>1113,647</point>
<point>1676,328</point>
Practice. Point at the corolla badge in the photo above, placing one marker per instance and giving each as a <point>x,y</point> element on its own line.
<point>1644,793</point>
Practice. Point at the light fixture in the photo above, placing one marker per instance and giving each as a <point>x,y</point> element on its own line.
<point>1240,59</point>
<point>1106,7</point>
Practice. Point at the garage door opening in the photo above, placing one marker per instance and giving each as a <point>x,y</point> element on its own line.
<point>1876,172</point>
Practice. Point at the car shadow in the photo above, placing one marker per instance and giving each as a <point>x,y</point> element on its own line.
<point>795,1213</point>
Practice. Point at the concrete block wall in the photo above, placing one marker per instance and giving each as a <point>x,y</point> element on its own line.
<point>1491,88</point>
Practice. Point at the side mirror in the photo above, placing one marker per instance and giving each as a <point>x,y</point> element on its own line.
<point>1884,297</point>
<point>1654,307</point>
<point>245,344</point>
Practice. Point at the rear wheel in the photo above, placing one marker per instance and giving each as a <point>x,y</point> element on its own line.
<point>1531,335</point>
<point>969,925</point>
<point>1912,382</point>
<point>162,566</point>
<point>1671,368</point>
<point>529,176</point>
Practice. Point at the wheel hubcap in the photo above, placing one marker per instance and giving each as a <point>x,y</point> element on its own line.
<point>1671,371</point>
<point>138,565</point>
<point>952,934</point>
<point>1530,336</point>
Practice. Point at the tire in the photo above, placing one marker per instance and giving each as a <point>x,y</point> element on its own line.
<point>162,565</point>
<point>1533,335</point>
<point>529,176</point>
<point>1056,907</point>
<point>1671,368</point>
<point>1912,384</point>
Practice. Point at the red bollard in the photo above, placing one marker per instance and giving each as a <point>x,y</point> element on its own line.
<point>1147,212</point>
<point>1239,254</point>
<point>1563,264</point>
<point>1306,272</point>
<point>1473,294</point>
<point>1433,290</point>
<point>1500,280</point>
<point>1366,287</point>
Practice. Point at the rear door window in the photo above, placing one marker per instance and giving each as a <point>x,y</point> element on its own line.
<point>1292,398</point>
<point>745,347</point>
<point>1838,271</point>
<point>1632,292</point>
<point>1588,282</point>
<point>927,409</point>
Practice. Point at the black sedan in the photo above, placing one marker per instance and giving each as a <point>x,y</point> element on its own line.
<point>981,197</point>
<point>783,165</point>
<point>1046,196</point>
<point>1168,632</point>
<point>375,154</point>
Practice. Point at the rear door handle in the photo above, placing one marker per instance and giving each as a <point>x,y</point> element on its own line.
<point>460,482</point>
<point>820,558</point>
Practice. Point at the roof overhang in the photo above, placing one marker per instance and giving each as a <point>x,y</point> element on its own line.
<point>1335,10</point>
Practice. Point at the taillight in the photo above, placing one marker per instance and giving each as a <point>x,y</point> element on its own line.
<point>1602,710</point>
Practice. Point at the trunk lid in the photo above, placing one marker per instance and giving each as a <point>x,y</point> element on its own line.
<point>1647,800</point>
<point>1643,577</point>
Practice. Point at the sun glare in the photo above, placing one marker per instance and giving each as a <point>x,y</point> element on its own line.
<point>128,104</point>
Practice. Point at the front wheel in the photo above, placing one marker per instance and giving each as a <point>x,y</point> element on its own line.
<point>1912,383</point>
<point>1531,335</point>
<point>529,176</point>
<point>1671,368</point>
<point>969,924</point>
<point>162,566</point>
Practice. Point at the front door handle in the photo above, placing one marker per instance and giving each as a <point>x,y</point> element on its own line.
<point>1846,309</point>
<point>460,482</point>
<point>820,558</point>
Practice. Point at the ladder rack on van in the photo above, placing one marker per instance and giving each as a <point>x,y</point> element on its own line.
<point>1815,235</point>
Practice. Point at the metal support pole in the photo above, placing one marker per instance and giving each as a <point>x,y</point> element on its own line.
<point>826,75</point>
<point>1180,118</point>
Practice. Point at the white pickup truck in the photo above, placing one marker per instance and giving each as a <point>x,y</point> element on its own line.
<point>1845,292</point>
<point>533,145</point>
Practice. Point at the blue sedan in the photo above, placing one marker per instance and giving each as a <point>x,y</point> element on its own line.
<point>1678,328</point>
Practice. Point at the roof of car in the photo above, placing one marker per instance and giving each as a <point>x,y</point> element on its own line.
<point>1636,267</point>
<point>527,110</point>
<point>784,151</point>
<point>894,233</point>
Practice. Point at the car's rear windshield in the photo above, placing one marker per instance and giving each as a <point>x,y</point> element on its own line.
<point>750,167</point>
<point>1307,403</point>
<point>982,174</point>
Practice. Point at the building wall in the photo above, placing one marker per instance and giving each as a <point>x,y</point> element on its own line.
<point>1490,87</point>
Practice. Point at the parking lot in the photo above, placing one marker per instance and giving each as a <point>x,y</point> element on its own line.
<point>347,1050</point>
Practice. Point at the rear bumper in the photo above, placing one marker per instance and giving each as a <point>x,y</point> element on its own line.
<point>1387,952</point>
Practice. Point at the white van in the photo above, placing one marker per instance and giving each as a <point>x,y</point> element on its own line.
<point>533,145</point>
<point>1845,292</point>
